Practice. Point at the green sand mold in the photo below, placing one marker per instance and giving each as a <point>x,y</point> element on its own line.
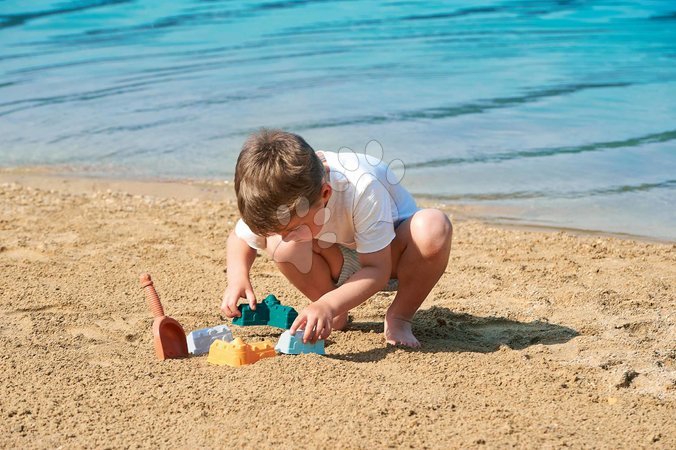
<point>269,312</point>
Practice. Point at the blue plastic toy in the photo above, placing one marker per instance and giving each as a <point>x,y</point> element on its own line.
<point>293,344</point>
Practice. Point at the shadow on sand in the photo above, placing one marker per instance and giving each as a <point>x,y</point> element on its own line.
<point>441,330</point>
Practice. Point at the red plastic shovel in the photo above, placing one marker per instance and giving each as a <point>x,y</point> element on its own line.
<point>169,336</point>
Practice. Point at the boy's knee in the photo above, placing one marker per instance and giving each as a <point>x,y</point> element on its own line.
<point>432,230</point>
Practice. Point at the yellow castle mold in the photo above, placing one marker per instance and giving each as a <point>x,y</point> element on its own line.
<point>237,353</point>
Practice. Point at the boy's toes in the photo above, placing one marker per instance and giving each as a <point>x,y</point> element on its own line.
<point>413,343</point>
<point>398,333</point>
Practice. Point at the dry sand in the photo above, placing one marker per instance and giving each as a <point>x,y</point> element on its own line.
<point>531,339</point>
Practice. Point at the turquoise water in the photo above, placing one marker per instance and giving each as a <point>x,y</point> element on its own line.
<point>558,113</point>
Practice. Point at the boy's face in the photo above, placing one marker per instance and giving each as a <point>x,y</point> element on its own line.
<point>306,225</point>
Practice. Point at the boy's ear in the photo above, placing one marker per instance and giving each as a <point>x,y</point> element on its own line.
<point>326,192</point>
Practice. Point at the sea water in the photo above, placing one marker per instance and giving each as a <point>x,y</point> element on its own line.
<point>555,113</point>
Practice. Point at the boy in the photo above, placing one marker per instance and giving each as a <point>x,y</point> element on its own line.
<point>338,227</point>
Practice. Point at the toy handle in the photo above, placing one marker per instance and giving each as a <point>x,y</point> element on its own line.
<point>151,295</point>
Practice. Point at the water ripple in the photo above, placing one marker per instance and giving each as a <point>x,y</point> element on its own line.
<point>120,129</point>
<point>446,112</point>
<point>654,138</point>
<point>13,20</point>
<point>664,17</point>
<point>95,94</point>
<point>551,194</point>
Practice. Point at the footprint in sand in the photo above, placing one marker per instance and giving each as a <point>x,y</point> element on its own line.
<point>127,328</point>
<point>22,254</point>
<point>108,340</point>
<point>21,321</point>
<point>113,329</point>
<point>14,325</point>
<point>90,333</point>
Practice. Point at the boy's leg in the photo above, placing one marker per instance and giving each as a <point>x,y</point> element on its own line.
<point>420,254</point>
<point>311,268</point>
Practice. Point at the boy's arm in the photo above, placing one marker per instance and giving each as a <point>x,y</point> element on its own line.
<point>371,278</point>
<point>372,216</point>
<point>240,258</point>
<point>318,316</point>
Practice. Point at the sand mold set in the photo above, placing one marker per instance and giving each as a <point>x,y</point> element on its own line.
<point>530,339</point>
<point>171,342</point>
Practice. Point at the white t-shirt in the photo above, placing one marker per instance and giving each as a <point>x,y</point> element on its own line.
<point>366,203</point>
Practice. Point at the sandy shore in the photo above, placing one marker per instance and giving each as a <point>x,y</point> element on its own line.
<point>530,339</point>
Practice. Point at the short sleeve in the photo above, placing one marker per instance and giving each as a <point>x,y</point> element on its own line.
<point>243,232</point>
<point>373,224</point>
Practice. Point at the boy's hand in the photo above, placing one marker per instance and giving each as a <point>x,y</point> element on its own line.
<point>316,320</point>
<point>236,290</point>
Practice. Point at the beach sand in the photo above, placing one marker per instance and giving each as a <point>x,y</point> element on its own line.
<point>530,339</point>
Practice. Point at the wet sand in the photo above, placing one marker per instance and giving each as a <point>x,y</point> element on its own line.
<point>530,339</point>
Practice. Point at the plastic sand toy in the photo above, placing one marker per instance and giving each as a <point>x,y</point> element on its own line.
<point>169,337</point>
<point>237,353</point>
<point>200,340</point>
<point>292,344</point>
<point>269,312</point>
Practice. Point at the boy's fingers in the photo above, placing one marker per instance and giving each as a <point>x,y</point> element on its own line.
<point>323,329</point>
<point>232,307</point>
<point>297,323</point>
<point>318,331</point>
<point>229,304</point>
<point>251,298</point>
<point>225,308</point>
<point>309,329</point>
<point>327,331</point>
<point>224,303</point>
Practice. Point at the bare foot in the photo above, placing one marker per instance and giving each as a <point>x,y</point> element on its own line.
<point>398,332</point>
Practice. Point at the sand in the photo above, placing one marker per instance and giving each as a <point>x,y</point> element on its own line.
<point>530,339</point>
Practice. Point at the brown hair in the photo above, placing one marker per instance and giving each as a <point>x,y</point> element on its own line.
<point>275,169</point>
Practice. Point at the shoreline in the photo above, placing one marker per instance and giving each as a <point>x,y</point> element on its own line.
<point>77,182</point>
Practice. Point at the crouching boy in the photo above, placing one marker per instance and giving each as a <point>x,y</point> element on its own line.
<point>339,227</point>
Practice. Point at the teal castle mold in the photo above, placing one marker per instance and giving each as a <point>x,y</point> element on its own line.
<point>268,312</point>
